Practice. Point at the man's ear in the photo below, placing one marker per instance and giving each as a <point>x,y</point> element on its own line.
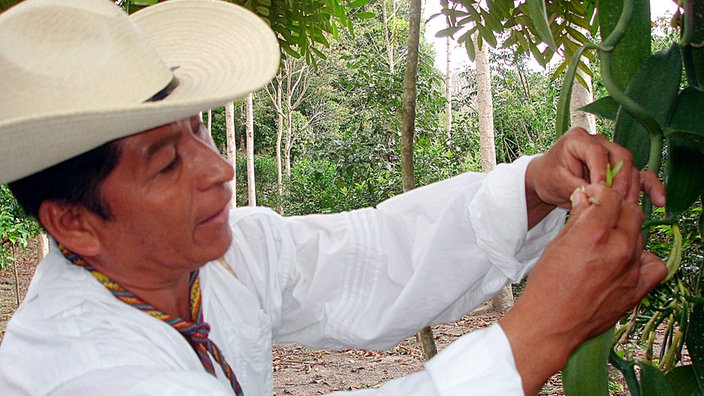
<point>71,226</point>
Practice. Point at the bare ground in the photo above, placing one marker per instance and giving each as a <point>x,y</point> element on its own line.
<point>302,371</point>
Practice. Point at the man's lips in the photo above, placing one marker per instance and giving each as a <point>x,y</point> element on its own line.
<point>218,217</point>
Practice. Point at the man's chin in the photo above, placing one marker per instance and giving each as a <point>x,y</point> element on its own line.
<point>219,245</point>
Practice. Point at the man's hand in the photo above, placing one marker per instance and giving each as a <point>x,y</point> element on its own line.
<point>578,159</point>
<point>586,279</point>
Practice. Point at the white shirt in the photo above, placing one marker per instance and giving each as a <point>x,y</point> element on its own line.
<point>366,279</point>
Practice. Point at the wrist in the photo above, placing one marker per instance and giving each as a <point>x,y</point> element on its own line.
<point>540,348</point>
<point>536,207</point>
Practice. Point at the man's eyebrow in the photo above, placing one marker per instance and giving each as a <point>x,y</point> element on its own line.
<point>159,144</point>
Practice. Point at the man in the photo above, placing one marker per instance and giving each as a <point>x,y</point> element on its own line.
<point>155,287</point>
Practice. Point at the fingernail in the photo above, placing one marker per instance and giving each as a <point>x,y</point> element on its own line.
<point>578,198</point>
<point>576,190</point>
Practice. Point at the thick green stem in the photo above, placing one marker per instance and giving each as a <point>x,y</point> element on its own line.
<point>631,106</point>
<point>688,31</point>
<point>621,25</point>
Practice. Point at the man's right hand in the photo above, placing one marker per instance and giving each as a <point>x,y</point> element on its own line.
<point>587,278</point>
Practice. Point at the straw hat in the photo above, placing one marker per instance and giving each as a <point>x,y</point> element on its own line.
<point>77,74</point>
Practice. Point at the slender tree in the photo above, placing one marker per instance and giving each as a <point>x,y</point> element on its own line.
<point>448,92</point>
<point>582,96</point>
<point>251,184</point>
<point>503,300</point>
<point>231,146</point>
<point>408,116</point>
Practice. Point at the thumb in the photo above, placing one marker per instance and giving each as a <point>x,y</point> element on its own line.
<point>579,200</point>
<point>652,272</point>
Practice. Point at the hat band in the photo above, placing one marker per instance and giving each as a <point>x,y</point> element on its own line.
<point>164,92</point>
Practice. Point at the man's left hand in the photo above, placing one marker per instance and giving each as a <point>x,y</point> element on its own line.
<point>578,159</point>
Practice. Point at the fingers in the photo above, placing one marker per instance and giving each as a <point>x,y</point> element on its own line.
<point>634,187</point>
<point>590,155</point>
<point>652,186</point>
<point>652,272</point>
<point>600,205</point>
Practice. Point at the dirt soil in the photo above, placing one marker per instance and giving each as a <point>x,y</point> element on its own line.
<point>301,371</point>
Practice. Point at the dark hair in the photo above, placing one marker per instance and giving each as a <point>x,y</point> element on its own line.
<point>75,181</point>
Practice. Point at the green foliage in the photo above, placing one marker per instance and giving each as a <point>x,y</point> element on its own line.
<point>652,113</point>
<point>265,177</point>
<point>653,86</point>
<point>16,229</point>
<point>318,186</point>
<point>303,28</point>
<point>592,355</point>
<point>564,25</point>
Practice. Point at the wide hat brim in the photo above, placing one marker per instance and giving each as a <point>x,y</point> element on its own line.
<point>218,52</point>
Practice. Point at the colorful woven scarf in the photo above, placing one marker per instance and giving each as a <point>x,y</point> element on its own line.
<point>196,333</point>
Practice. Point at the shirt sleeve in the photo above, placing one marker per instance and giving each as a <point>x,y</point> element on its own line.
<point>370,278</point>
<point>477,364</point>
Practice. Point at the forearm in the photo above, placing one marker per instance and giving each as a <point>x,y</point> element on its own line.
<point>539,348</point>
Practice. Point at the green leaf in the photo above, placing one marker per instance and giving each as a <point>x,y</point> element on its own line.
<point>654,86</point>
<point>453,12</point>
<point>695,342</point>
<point>502,8</point>
<point>448,32</point>
<point>586,372</point>
<point>627,368</point>
<point>357,3</point>
<point>576,35</point>
<point>143,3</point>
<point>694,54</point>
<point>563,107</point>
<point>487,35</point>
<point>683,381</point>
<point>653,382</point>
<point>364,15</point>
<point>539,16</point>
<point>634,47</point>
<point>688,116</point>
<point>492,21</point>
<point>291,51</point>
<point>469,46</point>
<point>605,107</point>
<point>684,178</point>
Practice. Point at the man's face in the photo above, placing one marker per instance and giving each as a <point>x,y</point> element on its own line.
<point>168,197</point>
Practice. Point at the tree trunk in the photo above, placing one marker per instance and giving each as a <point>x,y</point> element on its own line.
<point>279,135</point>
<point>503,300</point>
<point>485,106</point>
<point>387,37</point>
<point>231,147</point>
<point>42,246</point>
<point>288,140</point>
<point>408,117</point>
<point>210,121</point>
<point>251,187</point>
<point>17,276</point>
<point>448,94</point>
<point>408,109</point>
<point>582,96</point>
